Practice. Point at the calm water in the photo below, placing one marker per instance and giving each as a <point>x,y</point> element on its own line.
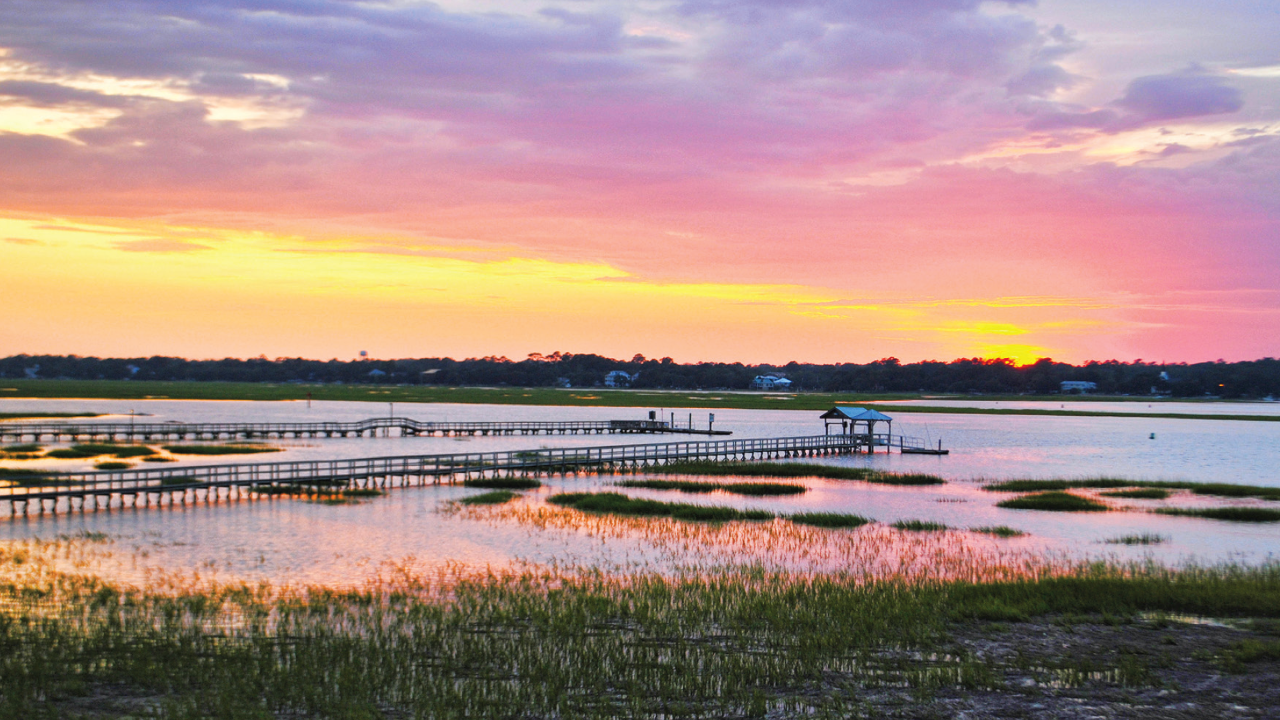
<point>297,541</point>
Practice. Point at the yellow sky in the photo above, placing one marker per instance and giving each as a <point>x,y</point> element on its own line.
<point>99,289</point>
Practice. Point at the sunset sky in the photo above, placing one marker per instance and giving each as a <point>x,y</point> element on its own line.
<point>754,180</point>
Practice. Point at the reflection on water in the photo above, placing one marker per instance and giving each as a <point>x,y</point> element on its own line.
<point>295,541</point>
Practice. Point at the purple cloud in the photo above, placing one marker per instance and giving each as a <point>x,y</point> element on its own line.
<point>1181,95</point>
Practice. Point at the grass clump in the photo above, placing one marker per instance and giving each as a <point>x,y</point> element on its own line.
<point>363,492</point>
<point>236,449</point>
<point>1053,502</point>
<point>159,459</point>
<point>1025,486</point>
<point>1233,514</point>
<point>619,504</point>
<point>113,465</point>
<point>23,476</point>
<point>1214,489</point>
<point>919,526</point>
<point>1236,491</point>
<point>1139,539</point>
<point>830,520</point>
<point>1003,531</point>
<point>24,451</point>
<point>497,497</point>
<point>795,470</point>
<point>1138,493</point>
<point>503,483</point>
<point>92,450</point>
<point>746,488</point>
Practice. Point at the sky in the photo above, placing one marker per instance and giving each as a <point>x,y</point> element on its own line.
<point>710,180</point>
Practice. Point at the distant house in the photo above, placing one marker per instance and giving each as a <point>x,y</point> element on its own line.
<point>563,382</point>
<point>1078,386</point>
<point>376,374</point>
<point>770,382</point>
<point>619,379</point>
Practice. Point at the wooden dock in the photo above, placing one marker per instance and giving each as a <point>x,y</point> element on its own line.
<point>80,491</point>
<point>373,427</point>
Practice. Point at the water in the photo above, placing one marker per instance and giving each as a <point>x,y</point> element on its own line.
<point>295,541</point>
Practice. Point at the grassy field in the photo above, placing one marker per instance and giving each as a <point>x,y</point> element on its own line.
<point>739,644</point>
<point>583,397</point>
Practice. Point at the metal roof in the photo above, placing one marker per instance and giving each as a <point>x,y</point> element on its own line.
<point>855,413</point>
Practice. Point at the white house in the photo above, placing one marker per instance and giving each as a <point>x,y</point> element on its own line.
<point>770,382</point>
<point>619,378</point>
<point>1078,386</point>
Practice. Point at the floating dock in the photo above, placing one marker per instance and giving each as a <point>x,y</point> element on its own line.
<point>373,427</point>
<point>80,491</point>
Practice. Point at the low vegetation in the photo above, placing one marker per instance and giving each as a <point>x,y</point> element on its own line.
<point>735,644</point>
<point>619,504</point>
<point>687,486</point>
<point>495,497</point>
<point>1235,514</point>
<point>41,415</point>
<point>1003,531</point>
<point>1054,502</point>
<point>830,520</point>
<point>919,526</point>
<point>795,470</point>
<point>235,449</point>
<point>503,483</point>
<point>112,465</point>
<point>363,492</point>
<point>1213,489</point>
<point>92,450</point>
<point>1138,494</point>
<point>1139,539</point>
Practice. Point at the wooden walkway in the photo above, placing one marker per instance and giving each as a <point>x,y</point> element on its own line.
<point>63,492</point>
<point>371,427</point>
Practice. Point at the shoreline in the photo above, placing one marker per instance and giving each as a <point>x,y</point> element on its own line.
<point>572,397</point>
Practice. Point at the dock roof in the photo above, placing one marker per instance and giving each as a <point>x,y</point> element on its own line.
<point>855,413</point>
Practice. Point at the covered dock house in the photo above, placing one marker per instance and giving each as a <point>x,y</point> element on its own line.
<point>860,423</point>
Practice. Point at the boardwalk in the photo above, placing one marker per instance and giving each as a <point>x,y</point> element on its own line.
<point>63,492</point>
<point>371,427</point>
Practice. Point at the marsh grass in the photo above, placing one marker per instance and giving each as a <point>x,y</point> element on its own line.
<point>1213,489</point>
<point>159,459</point>
<point>795,470</point>
<point>830,520</point>
<point>1138,494</point>
<point>112,465</point>
<point>539,643</point>
<point>496,497</point>
<point>745,488</point>
<point>92,450</point>
<point>1234,514</point>
<point>363,492</point>
<point>619,504</point>
<point>24,451</point>
<point>1054,502</point>
<point>1138,539</point>
<point>919,526</point>
<point>234,449</point>
<point>1003,531</point>
<point>503,483</point>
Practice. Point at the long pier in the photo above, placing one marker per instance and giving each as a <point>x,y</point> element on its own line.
<point>371,427</point>
<point>80,491</point>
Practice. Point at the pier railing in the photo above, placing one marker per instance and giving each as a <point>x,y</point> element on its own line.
<point>250,477</point>
<point>407,426</point>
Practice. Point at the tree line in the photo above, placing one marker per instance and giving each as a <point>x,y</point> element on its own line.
<point>1248,379</point>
